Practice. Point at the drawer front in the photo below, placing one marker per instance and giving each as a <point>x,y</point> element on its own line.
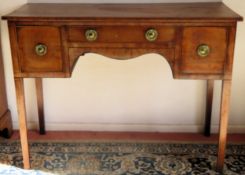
<point>121,34</point>
<point>204,50</point>
<point>40,49</point>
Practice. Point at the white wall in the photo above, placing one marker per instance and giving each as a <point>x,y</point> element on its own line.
<point>238,91</point>
<point>138,95</point>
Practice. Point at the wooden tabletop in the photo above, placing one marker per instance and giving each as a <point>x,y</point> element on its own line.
<point>192,11</point>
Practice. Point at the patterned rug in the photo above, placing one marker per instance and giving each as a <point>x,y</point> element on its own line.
<point>124,158</point>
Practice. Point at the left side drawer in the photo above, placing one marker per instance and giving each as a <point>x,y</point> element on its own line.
<point>39,49</point>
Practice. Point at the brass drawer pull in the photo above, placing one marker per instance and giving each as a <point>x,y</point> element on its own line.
<point>203,50</point>
<point>91,35</point>
<point>151,35</point>
<point>41,49</point>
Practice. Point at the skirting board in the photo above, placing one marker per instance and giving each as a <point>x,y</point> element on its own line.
<point>129,127</point>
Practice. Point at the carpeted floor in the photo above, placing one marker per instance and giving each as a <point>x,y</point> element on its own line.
<point>124,157</point>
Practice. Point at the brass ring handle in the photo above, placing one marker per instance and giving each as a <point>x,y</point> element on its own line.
<point>203,50</point>
<point>91,34</point>
<point>41,49</point>
<point>151,35</point>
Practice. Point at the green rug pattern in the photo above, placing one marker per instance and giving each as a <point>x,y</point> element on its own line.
<point>124,158</point>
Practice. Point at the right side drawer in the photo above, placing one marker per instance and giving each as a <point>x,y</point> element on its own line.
<point>204,50</point>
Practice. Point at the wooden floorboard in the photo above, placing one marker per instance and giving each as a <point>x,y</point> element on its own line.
<point>139,136</point>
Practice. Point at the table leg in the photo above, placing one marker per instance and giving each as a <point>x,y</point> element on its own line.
<point>209,103</point>
<point>224,114</point>
<point>20,96</point>
<point>39,92</point>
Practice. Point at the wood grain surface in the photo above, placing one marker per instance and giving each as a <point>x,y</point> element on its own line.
<point>178,11</point>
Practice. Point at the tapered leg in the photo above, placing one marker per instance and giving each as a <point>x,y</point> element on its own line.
<point>19,86</point>
<point>224,113</point>
<point>209,103</point>
<point>39,92</point>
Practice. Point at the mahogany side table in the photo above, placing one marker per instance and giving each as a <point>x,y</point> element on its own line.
<point>197,40</point>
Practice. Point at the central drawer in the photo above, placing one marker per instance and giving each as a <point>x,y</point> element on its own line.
<point>121,34</point>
